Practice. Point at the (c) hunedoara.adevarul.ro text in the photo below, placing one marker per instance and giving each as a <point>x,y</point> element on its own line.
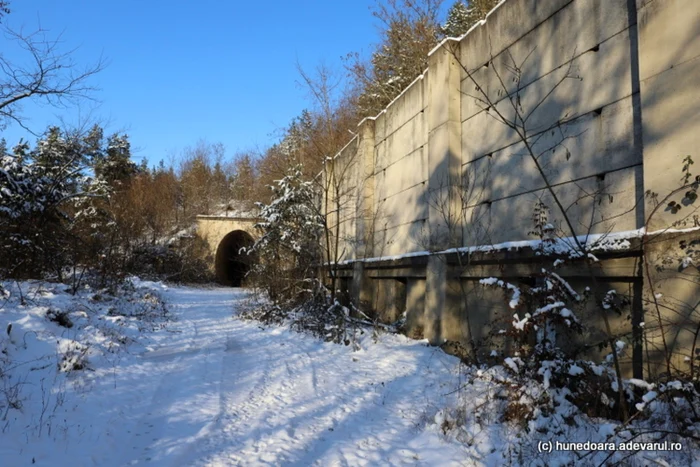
<point>551,446</point>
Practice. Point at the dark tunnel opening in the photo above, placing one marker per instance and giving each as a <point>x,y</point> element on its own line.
<point>232,265</point>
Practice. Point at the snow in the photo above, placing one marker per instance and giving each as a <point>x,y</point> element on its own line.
<point>418,78</point>
<point>414,254</point>
<point>200,386</point>
<point>520,324</point>
<point>510,363</point>
<point>640,383</point>
<point>210,389</point>
<point>514,299</point>
<point>648,397</point>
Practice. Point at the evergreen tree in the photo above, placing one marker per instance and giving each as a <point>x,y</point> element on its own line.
<point>114,164</point>
<point>459,20</point>
<point>289,248</point>
<point>243,180</point>
<point>463,15</point>
<point>46,200</point>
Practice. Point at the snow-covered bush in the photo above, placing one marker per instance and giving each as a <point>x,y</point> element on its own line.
<point>544,368</point>
<point>544,317</point>
<point>517,416</point>
<point>320,316</point>
<point>290,259</point>
<point>289,248</point>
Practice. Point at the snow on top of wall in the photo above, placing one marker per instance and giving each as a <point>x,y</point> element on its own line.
<point>451,39</point>
<point>476,25</point>
<point>418,78</point>
<point>390,258</point>
<point>235,209</point>
<point>614,241</point>
<point>667,231</point>
<point>337,154</point>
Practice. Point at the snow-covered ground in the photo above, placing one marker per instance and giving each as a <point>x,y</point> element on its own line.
<point>210,389</point>
<point>131,384</point>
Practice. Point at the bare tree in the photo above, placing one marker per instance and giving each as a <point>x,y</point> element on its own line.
<point>46,74</point>
<point>4,10</point>
<point>329,132</point>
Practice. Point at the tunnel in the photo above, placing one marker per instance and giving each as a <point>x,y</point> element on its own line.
<point>232,265</point>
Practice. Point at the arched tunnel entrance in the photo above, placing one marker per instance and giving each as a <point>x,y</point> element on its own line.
<point>231,264</point>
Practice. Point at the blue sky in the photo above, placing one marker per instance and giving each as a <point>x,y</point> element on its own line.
<point>222,71</point>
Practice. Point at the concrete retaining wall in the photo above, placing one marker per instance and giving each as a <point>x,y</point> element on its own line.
<point>607,99</point>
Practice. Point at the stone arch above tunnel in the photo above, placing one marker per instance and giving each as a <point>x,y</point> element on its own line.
<point>232,265</point>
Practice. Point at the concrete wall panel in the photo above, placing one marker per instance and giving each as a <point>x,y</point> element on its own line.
<point>571,31</point>
<point>510,219</point>
<point>408,172</point>
<point>668,35</point>
<point>380,127</point>
<point>505,26</point>
<point>400,239</point>
<point>405,107</point>
<point>550,99</point>
<point>592,144</point>
<point>406,206</point>
<point>404,141</point>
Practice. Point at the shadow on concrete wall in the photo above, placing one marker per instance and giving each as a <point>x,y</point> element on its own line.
<point>594,134</point>
<point>603,135</point>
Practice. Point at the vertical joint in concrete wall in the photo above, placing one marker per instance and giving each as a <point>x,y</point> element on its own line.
<point>636,105</point>
<point>435,298</point>
<point>362,290</point>
<point>366,206</point>
<point>444,148</point>
<point>415,308</point>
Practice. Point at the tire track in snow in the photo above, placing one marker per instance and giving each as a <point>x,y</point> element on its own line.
<point>178,358</point>
<point>275,397</point>
<point>235,386</point>
<point>258,425</point>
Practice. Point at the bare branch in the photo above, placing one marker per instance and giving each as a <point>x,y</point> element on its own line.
<point>49,76</point>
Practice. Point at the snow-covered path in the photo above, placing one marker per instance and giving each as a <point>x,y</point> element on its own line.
<point>215,390</point>
<point>116,383</point>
